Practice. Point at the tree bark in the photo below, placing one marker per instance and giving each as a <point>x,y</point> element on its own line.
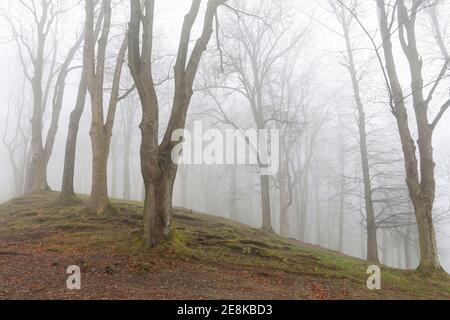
<point>67,187</point>
<point>265,204</point>
<point>345,19</point>
<point>421,185</point>
<point>158,170</point>
<point>101,129</point>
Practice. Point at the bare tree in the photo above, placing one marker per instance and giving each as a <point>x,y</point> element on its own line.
<point>32,48</point>
<point>128,117</point>
<point>346,19</point>
<point>419,172</point>
<point>17,145</point>
<point>101,128</point>
<point>253,45</point>
<point>157,168</point>
<point>67,187</point>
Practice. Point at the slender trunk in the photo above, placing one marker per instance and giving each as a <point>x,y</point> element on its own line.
<point>265,204</point>
<point>126,164</point>
<point>318,211</point>
<point>284,192</point>
<point>234,193</point>
<point>297,206</point>
<point>67,188</point>
<point>341,185</point>
<point>183,175</point>
<point>304,194</point>
<point>372,246</point>
<point>114,170</point>
<point>341,220</point>
<point>407,247</point>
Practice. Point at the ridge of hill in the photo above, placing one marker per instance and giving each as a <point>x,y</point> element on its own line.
<point>207,258</point>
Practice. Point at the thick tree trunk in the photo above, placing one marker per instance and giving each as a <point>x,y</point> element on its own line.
<point>99,193</point>
<point>429,261</point>
<point>421,185</point>
<point>37,178</point>
<point>38,172</point>
<point>158,208</point>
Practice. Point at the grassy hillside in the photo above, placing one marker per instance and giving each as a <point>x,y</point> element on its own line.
<point>208,258</point>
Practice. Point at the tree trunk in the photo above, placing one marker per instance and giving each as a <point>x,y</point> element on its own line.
<point>429,261</point>
<point>318,211</point>
<point>158,170</point>
<point>303,214</point>
<point>407,248</point>
<point>234,193</point>
<point>421,185</point>
<point>372,246</point>
<point>38,172</point>
<point>99,193</point>
<point>101,129</point>
<point>37,178</point>
<point>126,163</point>
<point>284,192</point>
<point>341,185</point>
<point>67,188</point>
<point>265,204</point>
<point>113,185</point>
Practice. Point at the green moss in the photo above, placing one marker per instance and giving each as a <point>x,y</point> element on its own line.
<point>70,226</point>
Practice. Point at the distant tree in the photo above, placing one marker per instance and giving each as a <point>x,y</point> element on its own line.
<point>17,144</point>
<point>346,19</point>
<point>39,65</point>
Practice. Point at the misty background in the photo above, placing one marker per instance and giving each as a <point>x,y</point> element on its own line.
<point>308,75</point>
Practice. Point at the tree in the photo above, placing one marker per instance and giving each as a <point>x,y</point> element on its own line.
<point>420,177</point>
<point>128,116</point>
<point>157,167</point>
<point>67,188</point>
<point>101,128</point>
<point>17,145</point>
<point>32,48</point>
<point>253,46</point>
<point>346,19</point>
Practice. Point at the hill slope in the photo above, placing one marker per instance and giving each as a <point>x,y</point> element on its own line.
<point>209,258</point>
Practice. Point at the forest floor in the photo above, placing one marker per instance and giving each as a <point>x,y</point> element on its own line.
<point>208,258</point>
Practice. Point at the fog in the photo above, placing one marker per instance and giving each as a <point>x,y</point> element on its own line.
<point>297,82</point>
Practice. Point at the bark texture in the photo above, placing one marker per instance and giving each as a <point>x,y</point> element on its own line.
<point>158,170</point>
<point>419,172</point>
